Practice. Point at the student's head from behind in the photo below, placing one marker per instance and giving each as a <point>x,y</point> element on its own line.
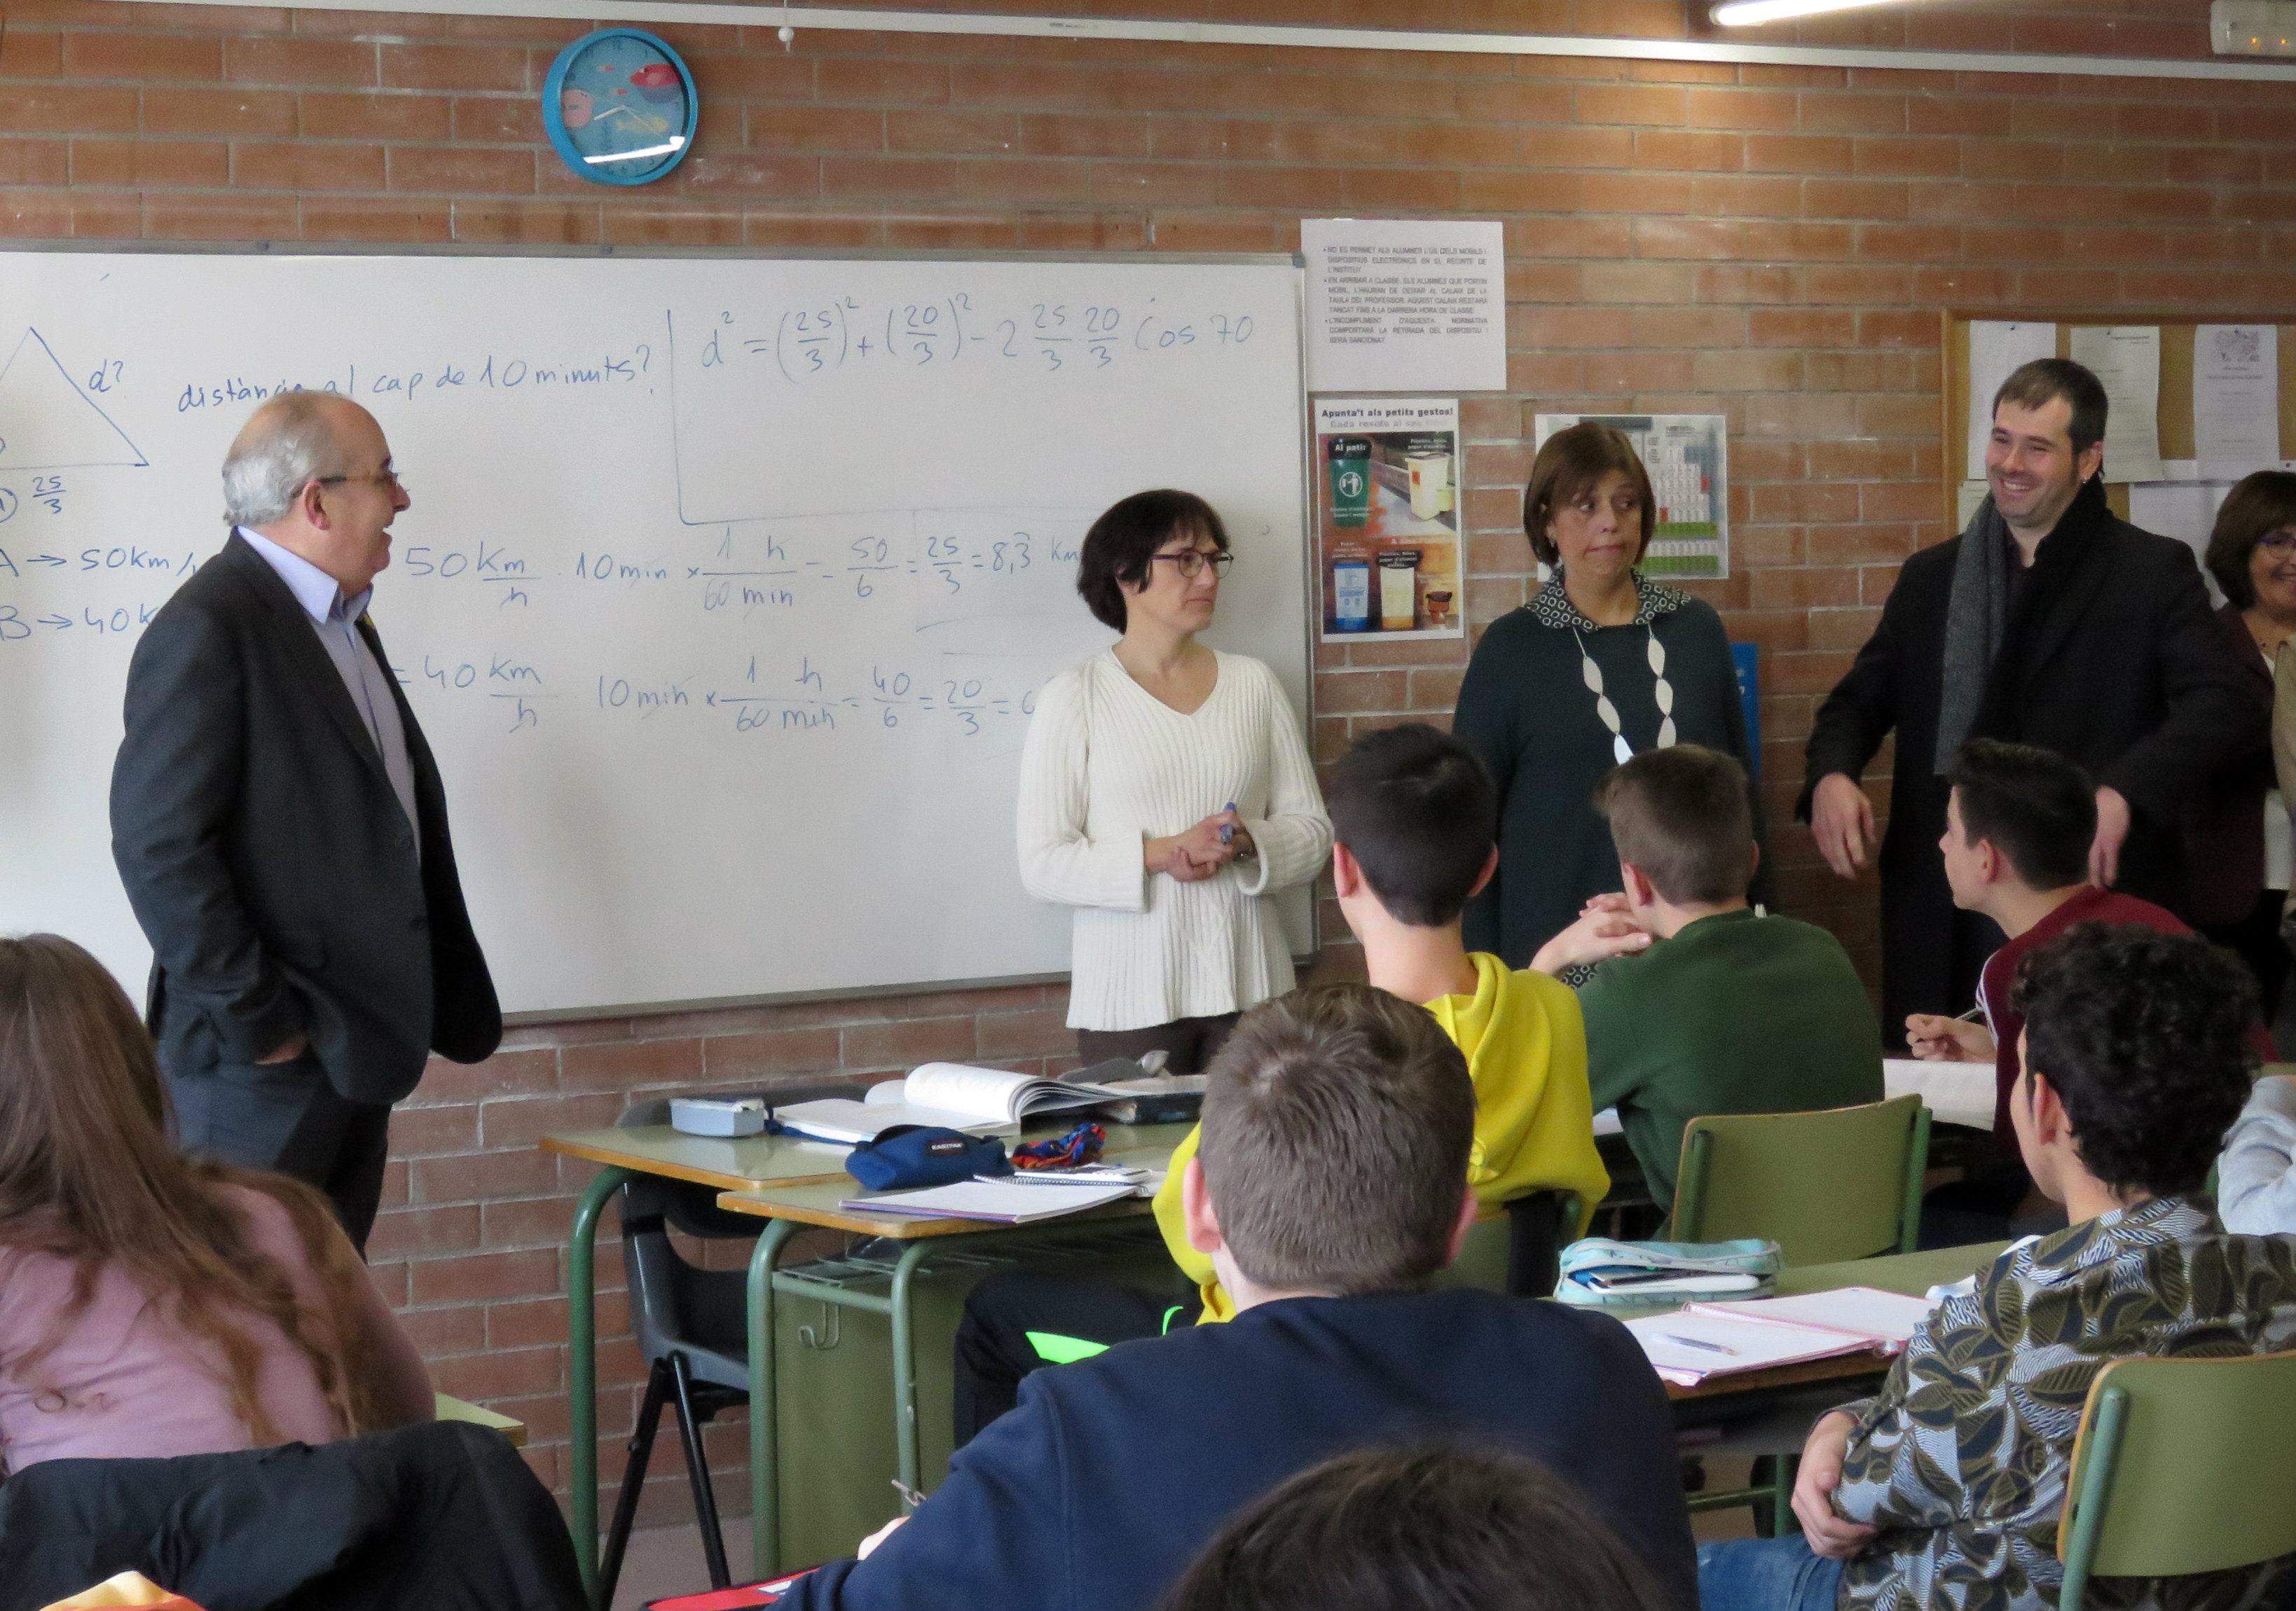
<point>1162,553</point>
<point>1417,1529</point>
<point>87,1175</point>
<point>2137,1058</point>
<point>80,1099</point>
<point>1415,819</point>
<point>2019,815</point>
<point>1681,824</point>
<point>1333,1156</point>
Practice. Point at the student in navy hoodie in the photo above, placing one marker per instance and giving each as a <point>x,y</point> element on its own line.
<point>1326,1190</point>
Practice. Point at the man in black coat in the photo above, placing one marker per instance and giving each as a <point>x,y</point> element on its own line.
<point>280,827</point>
<point>2047,622</point>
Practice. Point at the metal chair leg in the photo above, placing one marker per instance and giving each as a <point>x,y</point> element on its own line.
<point>626,1506</point>
<point>697,1472</point>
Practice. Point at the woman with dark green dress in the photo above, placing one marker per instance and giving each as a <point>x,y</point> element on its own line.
<point>1602,664</point>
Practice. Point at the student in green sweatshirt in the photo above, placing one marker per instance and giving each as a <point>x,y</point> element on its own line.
<point>1729,1009</point>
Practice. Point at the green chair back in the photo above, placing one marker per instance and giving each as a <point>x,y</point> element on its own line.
<point>1841,1183</point>
<point>2181,1466</point>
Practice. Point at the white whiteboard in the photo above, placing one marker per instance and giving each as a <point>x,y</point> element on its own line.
<point>724,594</point>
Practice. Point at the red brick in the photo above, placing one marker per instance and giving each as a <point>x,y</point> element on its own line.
<point>366,218</point>
<point>138,57</point>
<point>465,1277</point>
<point>481,1176</point>
<point>465,68</point>
<point>437,1333</point>
<point>66,109</point>
<point>630,1065</point>
<point>1799,153</point>
<point>26,55</point>
<point>1044,1032</point>
<point>461,170</point>
<point>156,163</point>
<point>735,1056</point>
<point>501,1373</point>
<point>304,165</point>
<point>527,1223</point>
<point>418,1232</point>
<point>210,111</point>
<point>1739,109</point>
<point>300,61</point>
<point>873,1046</point>
<point>522,1121</point>
<point>192,217</point>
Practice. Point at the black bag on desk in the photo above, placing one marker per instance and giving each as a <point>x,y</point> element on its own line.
<point>909,1157</point>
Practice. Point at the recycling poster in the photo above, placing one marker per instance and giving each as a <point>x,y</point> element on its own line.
<point>1388,550</point>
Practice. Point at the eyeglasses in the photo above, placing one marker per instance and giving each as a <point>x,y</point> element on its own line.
<point>1191,562</point>
<point>389,478</point>
<point>2279,544</point>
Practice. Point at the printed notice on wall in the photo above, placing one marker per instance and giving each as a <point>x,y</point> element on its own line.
<point>1401,305</point>
<point>1388,541</point>
<point>2127,358</point>
<point>1687,456</point>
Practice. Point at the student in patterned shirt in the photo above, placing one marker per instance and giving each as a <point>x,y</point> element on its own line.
<point>1944,1490</point>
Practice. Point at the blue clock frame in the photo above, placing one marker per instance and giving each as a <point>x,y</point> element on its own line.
<point>602,155</point>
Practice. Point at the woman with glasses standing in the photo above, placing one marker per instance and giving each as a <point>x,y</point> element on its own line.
<point>1165,793</point>
<point>2236,831</point>
<point>1601,665</point>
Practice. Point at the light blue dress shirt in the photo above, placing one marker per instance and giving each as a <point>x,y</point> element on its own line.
<point>334,618</point>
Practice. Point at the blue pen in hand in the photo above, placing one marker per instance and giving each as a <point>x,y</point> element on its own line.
<point>1228,829</point>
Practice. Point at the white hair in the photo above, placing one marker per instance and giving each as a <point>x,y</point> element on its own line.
<point>288,443</point>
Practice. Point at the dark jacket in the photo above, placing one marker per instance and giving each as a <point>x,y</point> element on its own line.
<point>2122,670</point>
<point>1524,708</point>
<point>443,1517</point>
<point>267,859</point>
<point>2224,823</point>
<point>1097,1493</point>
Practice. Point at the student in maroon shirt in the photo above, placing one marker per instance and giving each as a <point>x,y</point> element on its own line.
<point>2018,827</point>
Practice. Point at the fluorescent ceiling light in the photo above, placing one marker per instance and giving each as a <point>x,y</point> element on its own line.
<point>1746,13</point>
<point>675,141</point>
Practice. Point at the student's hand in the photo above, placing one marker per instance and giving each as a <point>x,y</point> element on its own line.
<point>1842,820</point>
<point>1829,1534</point>
<point>1937,1039</point>
<point>870,1542</point>
<point>1602,931</point>
<point>2111,829</point>
<point>294,1046</point>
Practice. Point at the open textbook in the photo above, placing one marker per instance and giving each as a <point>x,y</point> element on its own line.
<point>954,1096</point>
<point>1702,1340</point>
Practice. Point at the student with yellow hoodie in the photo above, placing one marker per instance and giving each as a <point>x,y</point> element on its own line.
<point>1415,816</point>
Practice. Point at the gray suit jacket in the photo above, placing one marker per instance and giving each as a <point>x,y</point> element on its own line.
<point>268,860</point>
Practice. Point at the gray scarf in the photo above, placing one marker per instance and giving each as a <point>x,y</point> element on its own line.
<point>1976,615</point>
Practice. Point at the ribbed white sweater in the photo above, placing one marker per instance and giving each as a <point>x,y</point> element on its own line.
<point>1108,765</point>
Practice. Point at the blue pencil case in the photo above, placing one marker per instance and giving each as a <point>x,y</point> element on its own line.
<point>909,1157</point>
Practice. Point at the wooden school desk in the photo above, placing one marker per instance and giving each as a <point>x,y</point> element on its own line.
<point>743,1165</point>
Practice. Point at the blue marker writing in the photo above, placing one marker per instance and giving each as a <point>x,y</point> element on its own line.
<point>1228,829</point>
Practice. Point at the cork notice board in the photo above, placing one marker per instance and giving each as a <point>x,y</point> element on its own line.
<point>2176,401</point>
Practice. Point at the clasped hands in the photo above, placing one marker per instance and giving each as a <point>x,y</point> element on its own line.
<point>1605,928</point>
<point>1197,854</point>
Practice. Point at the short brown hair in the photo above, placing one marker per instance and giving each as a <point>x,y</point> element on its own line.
<point>1121,545</point>
<point>2256,507</point>
<point>1571,464</point>
<point>1336,1129</point>
<point>1681,815</point>
<point>2046,380</point>
<point>1418,1529</point>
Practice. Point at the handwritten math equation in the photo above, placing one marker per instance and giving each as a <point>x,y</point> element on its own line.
<point>846,334</point>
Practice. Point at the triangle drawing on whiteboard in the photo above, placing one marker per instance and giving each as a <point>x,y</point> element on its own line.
<point>48,422</point>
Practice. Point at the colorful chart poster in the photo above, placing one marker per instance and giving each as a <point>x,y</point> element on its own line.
<point>1687,456</point>
<point>1387,479</point>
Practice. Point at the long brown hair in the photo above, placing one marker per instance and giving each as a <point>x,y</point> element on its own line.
<point>88,1175</point>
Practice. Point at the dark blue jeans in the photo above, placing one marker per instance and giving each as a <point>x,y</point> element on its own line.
<point>1767,1574</point>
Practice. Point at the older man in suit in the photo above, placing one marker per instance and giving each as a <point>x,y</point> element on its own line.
<point>2047,622</point>
<point>280,827</point>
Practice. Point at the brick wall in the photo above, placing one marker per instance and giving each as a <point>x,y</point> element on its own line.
<point>1773,242</point>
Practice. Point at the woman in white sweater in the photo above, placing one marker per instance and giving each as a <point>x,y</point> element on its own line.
<point>1167,795</point>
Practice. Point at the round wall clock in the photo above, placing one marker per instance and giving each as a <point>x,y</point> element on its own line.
<point>619,107</point>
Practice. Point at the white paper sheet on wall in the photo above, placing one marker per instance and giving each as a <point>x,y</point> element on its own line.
<point>2237,399</point>
<point>1996,347</point>
<point>2186,510</point>
<point>2127,358</point>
